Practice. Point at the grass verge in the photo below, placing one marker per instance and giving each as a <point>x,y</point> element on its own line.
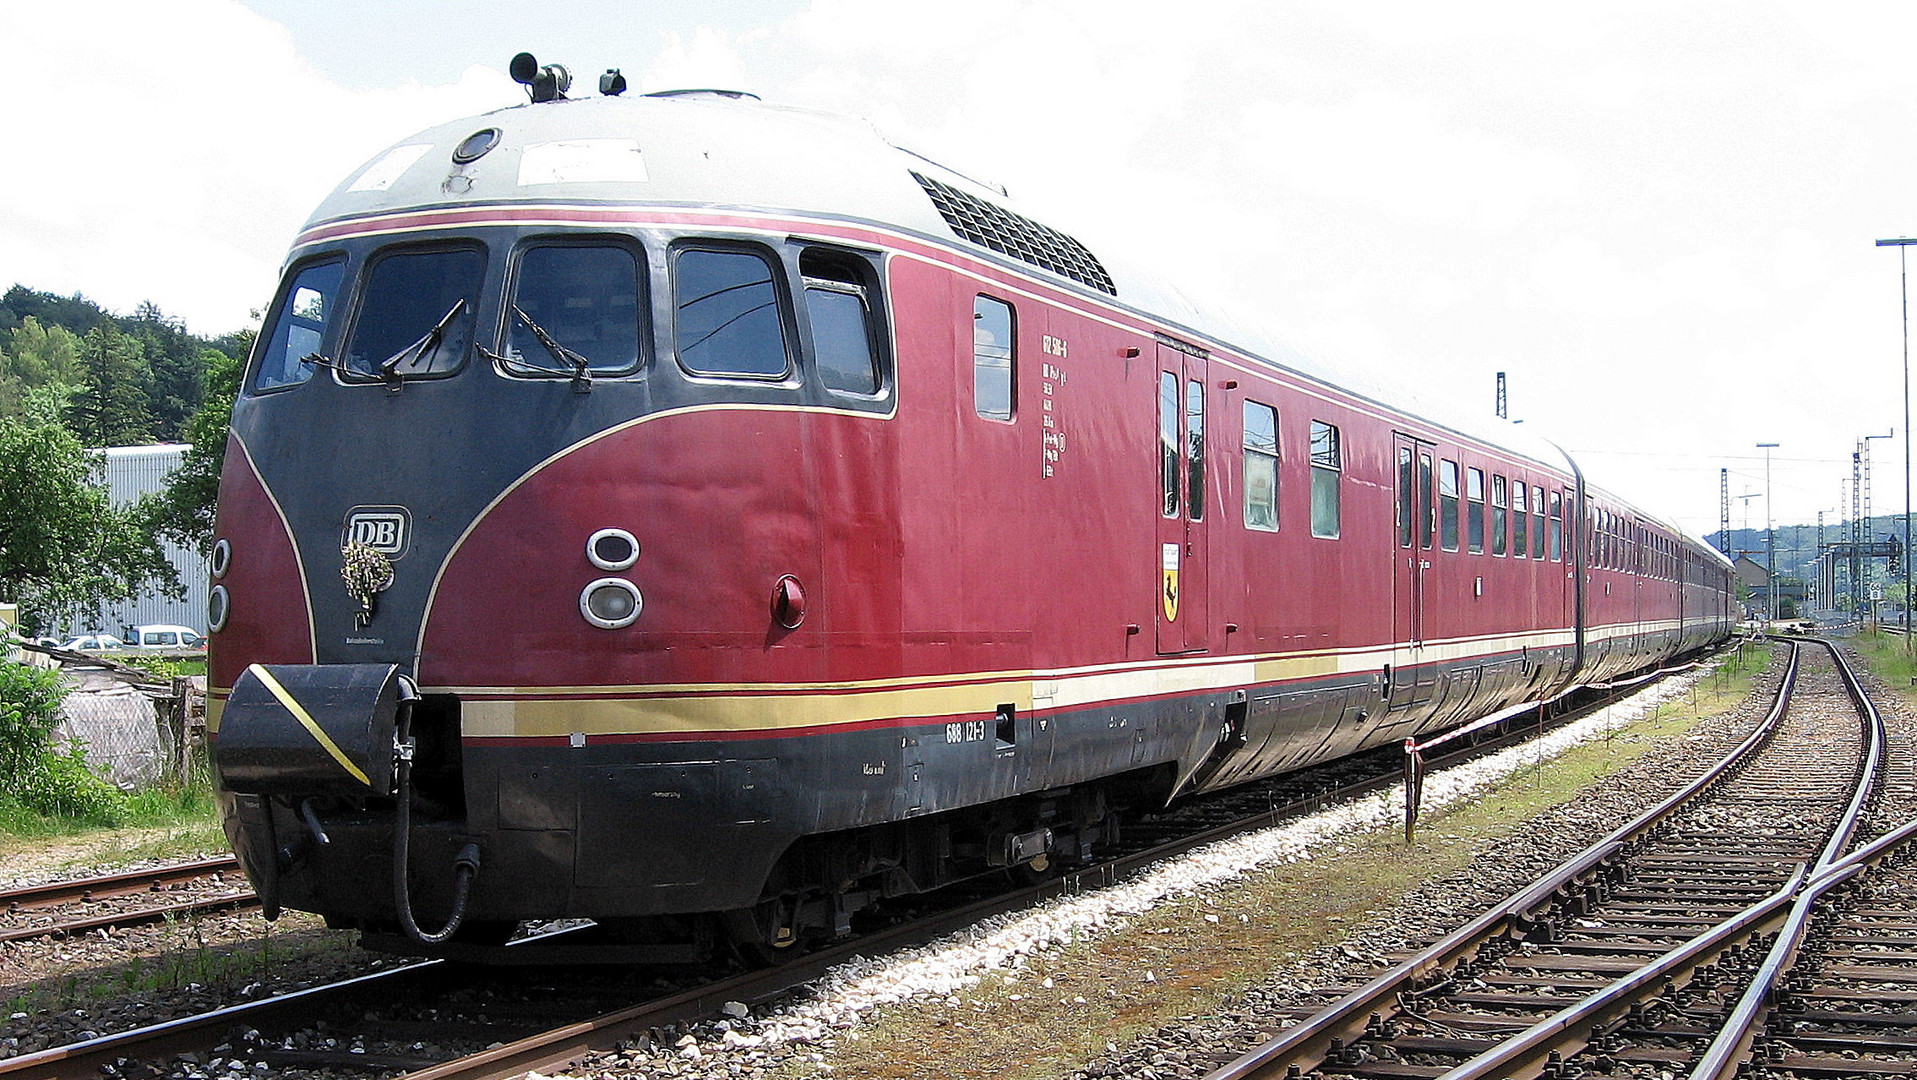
<point>1888,656</point>
<point>170,821</point>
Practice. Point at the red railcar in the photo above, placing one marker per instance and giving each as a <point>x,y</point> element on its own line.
<point>736,519</point>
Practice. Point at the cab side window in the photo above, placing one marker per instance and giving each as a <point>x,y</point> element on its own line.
<point>299,325</point>
<point>840,307</point>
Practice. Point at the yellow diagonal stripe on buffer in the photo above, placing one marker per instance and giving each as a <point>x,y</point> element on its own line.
<point>306,720</point>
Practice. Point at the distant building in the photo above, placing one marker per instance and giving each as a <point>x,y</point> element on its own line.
<point>133,471</point>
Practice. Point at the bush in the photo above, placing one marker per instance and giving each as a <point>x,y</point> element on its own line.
<point>62,787</point>
<point>32,773</point>
<point>29,705</point>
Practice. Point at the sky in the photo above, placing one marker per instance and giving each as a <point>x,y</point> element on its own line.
<point>1658,218</point>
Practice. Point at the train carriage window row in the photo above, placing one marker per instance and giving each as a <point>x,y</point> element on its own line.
<point>1012,234</point>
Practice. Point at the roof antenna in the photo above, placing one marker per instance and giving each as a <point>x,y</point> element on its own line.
<point>548,83</point>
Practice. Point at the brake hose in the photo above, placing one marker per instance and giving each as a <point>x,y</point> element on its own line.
<point>465,864</point>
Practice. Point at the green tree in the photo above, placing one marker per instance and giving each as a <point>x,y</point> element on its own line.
<point>183,510</point>
<point>111,408</point>
<point>38,354</point>
<point>64,548</point>
<point>36,360</point>
<point>176,362</point>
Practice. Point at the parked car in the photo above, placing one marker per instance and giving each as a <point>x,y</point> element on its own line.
<point>92,643</point>
<point>163,636</point>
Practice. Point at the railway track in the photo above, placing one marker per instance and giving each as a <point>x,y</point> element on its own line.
<point>128,898</point>
<point>452,1021</point>
<point>1648,953</point>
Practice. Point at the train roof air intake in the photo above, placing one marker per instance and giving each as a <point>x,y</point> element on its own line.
<point>1016,235</point>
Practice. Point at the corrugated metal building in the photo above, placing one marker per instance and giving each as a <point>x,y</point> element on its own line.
<point>133,471</point>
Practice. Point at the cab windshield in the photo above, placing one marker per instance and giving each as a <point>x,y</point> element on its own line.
<point>417,316</point>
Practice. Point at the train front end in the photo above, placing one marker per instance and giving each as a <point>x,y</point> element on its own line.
<point>491,574</point>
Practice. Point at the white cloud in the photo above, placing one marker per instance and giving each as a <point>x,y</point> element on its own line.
<point>183,148</point>
<point>1649,215</point>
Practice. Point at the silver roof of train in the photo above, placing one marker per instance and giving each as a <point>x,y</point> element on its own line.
<point>719,150</point>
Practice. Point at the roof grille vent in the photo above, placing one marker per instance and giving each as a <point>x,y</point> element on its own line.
<point>1020,237</point>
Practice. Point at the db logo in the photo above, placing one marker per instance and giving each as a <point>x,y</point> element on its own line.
<point>386,529</point>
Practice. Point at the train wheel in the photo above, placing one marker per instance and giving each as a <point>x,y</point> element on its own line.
<point>1035,871</point>
<point>765,934</point>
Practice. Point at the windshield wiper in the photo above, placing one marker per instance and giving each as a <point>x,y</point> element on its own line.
<point>389,367</point>
<point>581,366</point>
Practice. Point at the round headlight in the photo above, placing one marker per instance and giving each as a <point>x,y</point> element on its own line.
<point>222,557</point>
<point>218,606</point>
<point>612,549</point>
<point>611,603</point>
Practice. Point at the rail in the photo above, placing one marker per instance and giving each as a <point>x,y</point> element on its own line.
<point>1308,1045</point>
<point>1541,1048</point>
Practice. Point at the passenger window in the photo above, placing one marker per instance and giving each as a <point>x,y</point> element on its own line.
<point>1195,438</point>
<point>298,326</point>
<point>1327,463</point>
<point>575,310</point>
<point>1404,497</point>
<point>1427,503</point>
<point>416,314</point>
<point>1170,417</point>
<point>1519,531</point>
<point>1557,526</point>
<point>1500,500</point>
<point>1474,510</point>
<point>1261,467</point>
<point>726,307</point>
<point>993,358</point>
<point>1448,504</point>
<point>1537,522</point>
<point>838,304</point>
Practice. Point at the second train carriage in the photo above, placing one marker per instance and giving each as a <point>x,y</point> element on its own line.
<point>744,516</point>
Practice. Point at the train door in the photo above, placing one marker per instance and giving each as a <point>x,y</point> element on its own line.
<point>1182,503</point>
<point>1412,682</point>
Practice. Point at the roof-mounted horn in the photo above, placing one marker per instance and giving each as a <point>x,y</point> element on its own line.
<point>548,83</point>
